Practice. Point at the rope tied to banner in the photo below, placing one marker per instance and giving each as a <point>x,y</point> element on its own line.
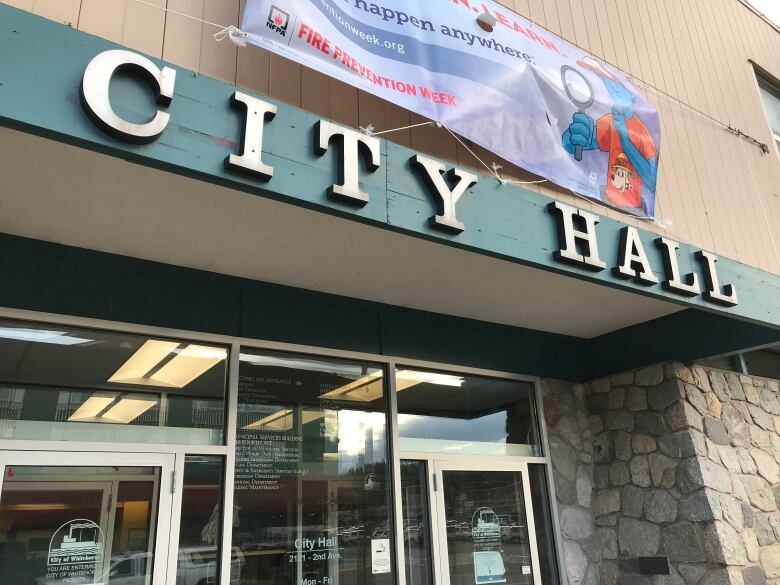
<point>235,34</point>
<point>240,39</point>
<point>369,130</point>
<point>495,168</point>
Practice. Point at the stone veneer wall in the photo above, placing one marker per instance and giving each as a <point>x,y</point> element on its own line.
<point>571,451</point>
<point>685,462</point>
<point>670,460</point>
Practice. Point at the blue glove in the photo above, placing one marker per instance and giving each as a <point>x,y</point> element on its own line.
<point>581,132</point>
<point>620,125</point>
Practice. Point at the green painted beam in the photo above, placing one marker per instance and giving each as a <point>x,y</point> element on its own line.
<point>686,336</point>
<point>52,278</point>
<point>40,94</point>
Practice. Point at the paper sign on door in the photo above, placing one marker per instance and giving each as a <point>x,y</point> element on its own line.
<point>489,567</point>
<point>380,555</point>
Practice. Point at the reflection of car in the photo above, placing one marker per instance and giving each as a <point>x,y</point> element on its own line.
<point>513,533</point>
<point>381,531</point>
<point>122,570</point>
<point>510,530</point>
<point>129,570</point>
<point>413,531</point>
<point>458,530</point>
<point>271,537</point>
<point>486,524</point>
<point>351,533</point>
<point>371,482</point>
<point>196,566</point>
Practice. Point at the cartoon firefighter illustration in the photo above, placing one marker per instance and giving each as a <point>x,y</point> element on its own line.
<point>633,156</point>
<point>621,174</point>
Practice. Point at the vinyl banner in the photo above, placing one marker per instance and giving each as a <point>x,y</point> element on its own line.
<point>518,90</point>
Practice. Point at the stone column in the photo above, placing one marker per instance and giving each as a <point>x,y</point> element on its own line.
<point>686,467</point>
<point>571,451</point>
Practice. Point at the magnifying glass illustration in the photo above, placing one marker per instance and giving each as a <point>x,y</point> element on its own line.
<point>577,88</point>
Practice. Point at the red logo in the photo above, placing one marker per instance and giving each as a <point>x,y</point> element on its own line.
<point>278,20</point>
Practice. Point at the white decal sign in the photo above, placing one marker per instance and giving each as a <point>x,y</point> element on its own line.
<point>75,553</point>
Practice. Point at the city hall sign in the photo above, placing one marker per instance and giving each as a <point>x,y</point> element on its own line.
<point>576,229</point>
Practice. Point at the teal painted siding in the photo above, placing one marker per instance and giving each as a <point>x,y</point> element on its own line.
<point>686,336</point>
<point>39,94</point>
<point>51,278</point>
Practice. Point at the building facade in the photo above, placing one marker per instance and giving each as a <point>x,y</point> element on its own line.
<point>213,371</point>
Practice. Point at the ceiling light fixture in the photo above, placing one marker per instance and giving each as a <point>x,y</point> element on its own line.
<point>281,420</point>
<point>407,378</point>
<point>40,507</point>
<point>190,363</point>
<point>311,415</point>
<point>365,389</point>
<point>369,388</point>
<point>93,406</point>
<point>151,353</point>
<point>187,364</point>
<point>128,409</point>
<point>41,336</point>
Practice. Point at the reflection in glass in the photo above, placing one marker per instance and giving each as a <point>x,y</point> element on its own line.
<point>310,479</point>
<point>63,383</point>
<point>543,523</point>
<point>487,533</point>
<point>78,525</point>
<point>416,521</point>
<point>465,414</point>
<point>200,531</point>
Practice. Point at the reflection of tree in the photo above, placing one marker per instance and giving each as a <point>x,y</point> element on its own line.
<point>378,468</point>
<point>315,463</point>
<point>210,531</point>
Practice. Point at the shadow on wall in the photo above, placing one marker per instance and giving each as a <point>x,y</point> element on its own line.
<point>570,439</point>
<point>667,461</point>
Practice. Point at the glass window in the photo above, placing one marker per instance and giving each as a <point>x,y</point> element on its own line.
<point>200,532</point>
<point>731,362</point>
<point>465,414</point>
<point>761,362</point>
<point>311,502</point>
<point>543,523</point>
<point>417,524</point>
<point>771,97</point>
<point>78,525</point>
<point>63,383</point>
<point>764,362</point>
<point>487,532</point>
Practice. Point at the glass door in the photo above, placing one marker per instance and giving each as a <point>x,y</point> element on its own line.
<point>84,518</point>
<point>485,524</point>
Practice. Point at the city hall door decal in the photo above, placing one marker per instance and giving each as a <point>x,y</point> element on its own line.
<point>468,522</point>
<point>84,518</point>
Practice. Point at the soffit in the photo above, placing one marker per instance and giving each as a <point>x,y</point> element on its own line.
<point>65,194</point>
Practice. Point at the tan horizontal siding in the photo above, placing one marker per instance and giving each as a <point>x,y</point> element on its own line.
<point>715,190</point>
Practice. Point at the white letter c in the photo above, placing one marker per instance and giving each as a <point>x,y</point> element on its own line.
<point>95,94</point>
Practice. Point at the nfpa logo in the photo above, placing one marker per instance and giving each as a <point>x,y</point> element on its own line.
<point>278,20</point>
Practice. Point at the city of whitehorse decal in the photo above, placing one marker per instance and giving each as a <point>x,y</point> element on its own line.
<point>576,228</point>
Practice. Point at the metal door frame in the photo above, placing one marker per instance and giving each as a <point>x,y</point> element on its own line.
<point>238,344</point>
<point>160,523</point>
<point>436,464</point>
